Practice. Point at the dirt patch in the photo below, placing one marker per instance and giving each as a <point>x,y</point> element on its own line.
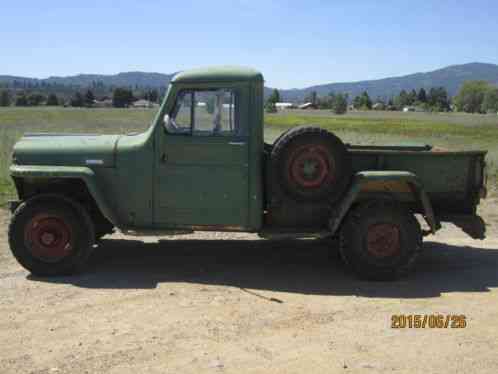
<point>192,304</point>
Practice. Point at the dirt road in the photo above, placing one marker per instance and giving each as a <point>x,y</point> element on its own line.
<point>196,305</point>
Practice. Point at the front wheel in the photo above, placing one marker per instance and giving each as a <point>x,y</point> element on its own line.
<point>51,235</point>
<point>380,241</point>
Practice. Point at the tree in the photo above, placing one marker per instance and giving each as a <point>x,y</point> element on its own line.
<point>35,99</point>
<point>89,98</point>
<point>357,102</point>
<point>270,107</point>
<point>422,96</point>
<point>5,98</point>
<point>152,95</point>
<point>490,101</point>
<point>326,102</point>
<point>439,99</point>
<point>471,96</point>
<point>365,102</point>
<point>340,104</point>
<point>412,97</point>
<point>362,101</point>
<point>122,97</point>
<point>21,99</point>
<point>401,100</point>
<point>314,97</point>
<point>77,100</point>
<point>275,96</point>
<point>52,100</point>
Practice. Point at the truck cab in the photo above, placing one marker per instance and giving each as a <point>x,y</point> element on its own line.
<point>209,148</point>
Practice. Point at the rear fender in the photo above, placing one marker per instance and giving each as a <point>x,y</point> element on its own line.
<point>386,182</point>
<point>33,172</point>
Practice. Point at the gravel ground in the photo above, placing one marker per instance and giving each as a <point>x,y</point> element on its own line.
<point>195,304</point>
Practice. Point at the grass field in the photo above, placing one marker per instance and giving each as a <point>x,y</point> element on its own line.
<point>453,131</point>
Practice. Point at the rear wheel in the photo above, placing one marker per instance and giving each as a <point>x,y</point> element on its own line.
<point>51,235</point>
<point>311,164</point>
<point>380,241</point>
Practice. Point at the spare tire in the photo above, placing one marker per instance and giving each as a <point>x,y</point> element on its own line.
<point>311,164</point>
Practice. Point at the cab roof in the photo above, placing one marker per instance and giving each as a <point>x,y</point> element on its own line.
<point>218,74</point>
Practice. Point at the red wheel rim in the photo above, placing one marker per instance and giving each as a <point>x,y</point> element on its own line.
<point>48,237</point>
<point>310,166</point>
<point>383,240</point>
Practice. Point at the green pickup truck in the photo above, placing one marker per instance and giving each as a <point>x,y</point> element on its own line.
<point>203,165</point>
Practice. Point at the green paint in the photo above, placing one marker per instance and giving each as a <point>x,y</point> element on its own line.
<point>164,180</point>
<point>74,172</point>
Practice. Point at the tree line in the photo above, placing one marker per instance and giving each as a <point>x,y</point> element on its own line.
<point>473,97</point>
<point>436,99</point>
<point>121,98</point>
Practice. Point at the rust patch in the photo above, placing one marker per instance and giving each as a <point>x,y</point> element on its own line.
<point>383,240</point>
<point>48,238</point>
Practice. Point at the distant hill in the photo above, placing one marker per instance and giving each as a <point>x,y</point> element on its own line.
<point>141,79</point>
<point>122,79</point>
<point>450,77</point>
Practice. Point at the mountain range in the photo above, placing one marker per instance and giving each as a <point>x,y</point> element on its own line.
<point>134,78</point>
<point>450,77</point>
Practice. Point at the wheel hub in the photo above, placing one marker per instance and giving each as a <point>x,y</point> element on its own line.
<point>310,166</point>
<point>48,237</point>
<point>383,240</point>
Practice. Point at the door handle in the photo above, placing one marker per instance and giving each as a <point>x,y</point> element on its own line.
<point>163,158</point>
<point>237,143</point>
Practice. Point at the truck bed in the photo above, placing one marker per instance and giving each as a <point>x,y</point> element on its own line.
<point>453,180</point>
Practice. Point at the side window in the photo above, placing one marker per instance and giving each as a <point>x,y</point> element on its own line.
<point>205,113</point>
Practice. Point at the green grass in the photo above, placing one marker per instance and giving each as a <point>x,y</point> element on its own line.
<point>453,131</point>
<point>409,126</point>
<point>465,119</point>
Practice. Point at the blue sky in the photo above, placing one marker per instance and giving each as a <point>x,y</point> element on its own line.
<point>294,43</point>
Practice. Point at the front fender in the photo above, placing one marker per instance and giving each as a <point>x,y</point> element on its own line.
<point>365,179</point>
<point>85,174</point>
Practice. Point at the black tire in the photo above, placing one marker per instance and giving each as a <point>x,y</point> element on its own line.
<point>311,164</point>
<point>51,235</point>
<point>332,242</point>
<point>102,227</point>
<point>380,241</point>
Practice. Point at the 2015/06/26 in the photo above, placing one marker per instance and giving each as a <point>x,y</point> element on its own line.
<point>432,321</point>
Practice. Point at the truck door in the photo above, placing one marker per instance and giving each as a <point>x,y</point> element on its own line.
<point>202,162</point>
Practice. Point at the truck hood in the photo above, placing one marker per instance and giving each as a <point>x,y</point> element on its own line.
<point>66,149</point>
